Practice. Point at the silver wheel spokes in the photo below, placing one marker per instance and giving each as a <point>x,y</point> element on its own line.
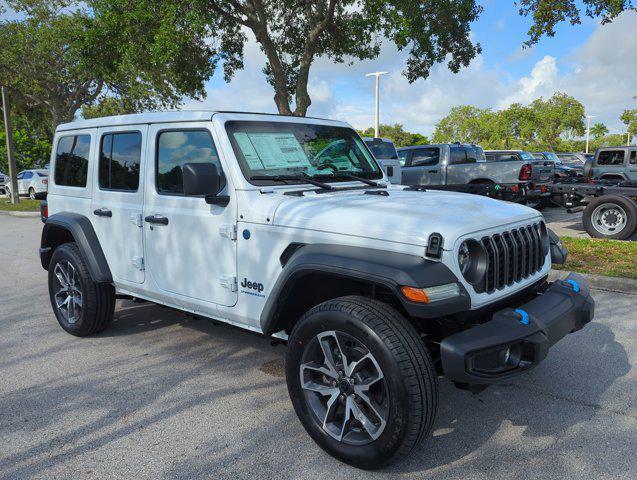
<point>609,219</point>
<point>345,388</point>
<point>68,295</point>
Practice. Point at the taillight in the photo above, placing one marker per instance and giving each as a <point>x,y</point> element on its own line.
<point>44,211</point>
<point>45,182</point>
<point>515,188</point>
<point>543,189</point>
<point>525,172</point>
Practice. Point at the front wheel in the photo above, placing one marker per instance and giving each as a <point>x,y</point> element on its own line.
<point>361,381</point>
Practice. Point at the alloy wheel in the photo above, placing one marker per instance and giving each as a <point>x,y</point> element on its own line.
<point>68,292</point>
<point>609,219</point>
<point>344,388</point>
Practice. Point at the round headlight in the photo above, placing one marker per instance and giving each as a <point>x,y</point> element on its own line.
<point>472,260</point>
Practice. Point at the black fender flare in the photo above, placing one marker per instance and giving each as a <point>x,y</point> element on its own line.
<point>81,230</point>
<point>376,267</point>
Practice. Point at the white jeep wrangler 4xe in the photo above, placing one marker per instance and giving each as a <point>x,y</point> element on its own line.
<point>287,226</point>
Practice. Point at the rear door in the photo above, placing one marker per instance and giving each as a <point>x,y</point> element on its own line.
<point>423,167</point>
<point>118,197</point>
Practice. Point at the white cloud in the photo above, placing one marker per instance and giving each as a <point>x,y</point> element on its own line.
<point>542,82</point>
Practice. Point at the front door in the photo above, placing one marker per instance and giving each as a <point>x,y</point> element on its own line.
<point>118,195</point>
<point>190,245</point>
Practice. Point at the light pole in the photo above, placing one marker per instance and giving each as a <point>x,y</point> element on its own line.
<point>376,124</point>
<point>588,129</point>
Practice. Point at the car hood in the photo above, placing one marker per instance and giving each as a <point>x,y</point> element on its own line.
<point>401,216</point>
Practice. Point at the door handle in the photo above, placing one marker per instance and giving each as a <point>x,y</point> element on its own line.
<point>432,171</point>
<point>103,212</point>
<point>156,219</point>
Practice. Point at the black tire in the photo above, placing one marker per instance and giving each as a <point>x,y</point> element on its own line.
<point>97,299</point>
<point>592,222</point>
<point>412,392</point>
<point>32,194</point>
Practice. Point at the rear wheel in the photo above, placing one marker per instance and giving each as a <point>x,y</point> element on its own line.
<point>610,216</point>
<point>32,194</point>
<point>81,306</point>
<point>361,381</point>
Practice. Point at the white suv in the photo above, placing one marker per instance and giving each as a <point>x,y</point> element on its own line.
<point>33,183</point>
<point>287,226</point>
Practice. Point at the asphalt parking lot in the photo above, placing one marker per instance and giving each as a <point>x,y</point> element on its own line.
<point>163,395</point>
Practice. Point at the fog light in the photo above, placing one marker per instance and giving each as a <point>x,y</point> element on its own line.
<point>497,360</point>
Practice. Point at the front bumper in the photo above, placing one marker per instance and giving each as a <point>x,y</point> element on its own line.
<point>518,338</point>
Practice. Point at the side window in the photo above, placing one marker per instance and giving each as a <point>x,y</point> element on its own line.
<point>402,157</point>
<point>20,175</point>
<point>27,175</point>
<point>458,155</point>
<point>611,157</point>
<point>490,157</point>
<point>633,157</point>
<point>507,157</point>
<point>71,161</point>
<point>177,147</point>
<point>120,156</point>
<point>425,157</point>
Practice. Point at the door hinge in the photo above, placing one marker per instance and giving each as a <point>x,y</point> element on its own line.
<point>136,219</point>
<point>229,282</point>
<point>138,263</point>
<point>228,230</point>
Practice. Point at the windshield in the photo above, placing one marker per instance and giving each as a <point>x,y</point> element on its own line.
<point>552,157</point>
<point>281,148</point>
<point>382,149</point>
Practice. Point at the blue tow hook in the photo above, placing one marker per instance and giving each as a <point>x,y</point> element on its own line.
<point>524,317</point>
<point>574,285</point>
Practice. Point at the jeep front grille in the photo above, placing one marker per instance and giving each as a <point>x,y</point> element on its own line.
<point>512,256</point>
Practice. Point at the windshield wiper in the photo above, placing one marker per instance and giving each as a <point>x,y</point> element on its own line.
<point>303,177</point>
<point>349,176</point>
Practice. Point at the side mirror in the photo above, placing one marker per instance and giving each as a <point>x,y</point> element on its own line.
<point>203,179</point>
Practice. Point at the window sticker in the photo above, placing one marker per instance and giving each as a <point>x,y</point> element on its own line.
<point>271,151</point>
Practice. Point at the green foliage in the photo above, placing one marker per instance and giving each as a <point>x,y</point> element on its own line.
<point>31,139</point>
<point>598,130</point>
<point>629,118</point>
<point>543,125</point>
<point>397,134</point>
<point>547,14</point>
<point>107,107</point>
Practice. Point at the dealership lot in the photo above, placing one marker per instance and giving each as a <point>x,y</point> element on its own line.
<point>164,395</point>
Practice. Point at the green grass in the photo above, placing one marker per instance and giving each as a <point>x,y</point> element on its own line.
<point>600,257</point>
<point>25,205</point>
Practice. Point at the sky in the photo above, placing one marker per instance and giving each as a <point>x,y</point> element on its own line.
<point>597,64</point>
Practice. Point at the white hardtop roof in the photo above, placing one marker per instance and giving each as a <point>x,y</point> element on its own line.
<point>183,116</point>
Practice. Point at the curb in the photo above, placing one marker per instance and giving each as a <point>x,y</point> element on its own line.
<point>600,282</point>
<point>19,214</point>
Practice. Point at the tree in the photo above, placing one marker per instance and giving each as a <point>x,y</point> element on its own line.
<point>398,135</point>
<point>629,118</point>
<point>31,138</point>
<point>293,34</point>
<point>464,123</point>
<point>547,14</point>
<point>59,57</point>
<point>108,106</point>
<point>561,115</point>
<point>598,130</point>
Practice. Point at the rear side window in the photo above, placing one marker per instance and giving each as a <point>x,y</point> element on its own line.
<point>425,156</point>
<point>610,157</point>
<point>177,147</point>
<point>71,160</point>
<point>458,155</point>
<point>120,156</point>
<point>507,157</point>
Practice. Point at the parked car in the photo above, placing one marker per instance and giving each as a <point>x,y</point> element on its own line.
<point>385,152</point>
<point>378,289</point>
<point>4,179</point>
<point>32,183</point>
<point>613,163</point>
<point>542,173</point>
<point>575,159</point>
<point>562,170</point>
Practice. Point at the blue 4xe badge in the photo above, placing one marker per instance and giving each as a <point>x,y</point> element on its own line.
<point>256,287</point>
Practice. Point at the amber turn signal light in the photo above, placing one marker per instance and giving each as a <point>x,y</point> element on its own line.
<point>414,294</point>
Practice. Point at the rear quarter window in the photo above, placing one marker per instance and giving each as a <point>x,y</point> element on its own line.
<point>71,160</point>
<point>610,157</point>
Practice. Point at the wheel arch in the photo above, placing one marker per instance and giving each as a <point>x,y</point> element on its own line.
<point>315,273</point>
<point>66,227</point>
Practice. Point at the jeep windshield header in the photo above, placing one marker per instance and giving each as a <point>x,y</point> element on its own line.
<point>274,149</point>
